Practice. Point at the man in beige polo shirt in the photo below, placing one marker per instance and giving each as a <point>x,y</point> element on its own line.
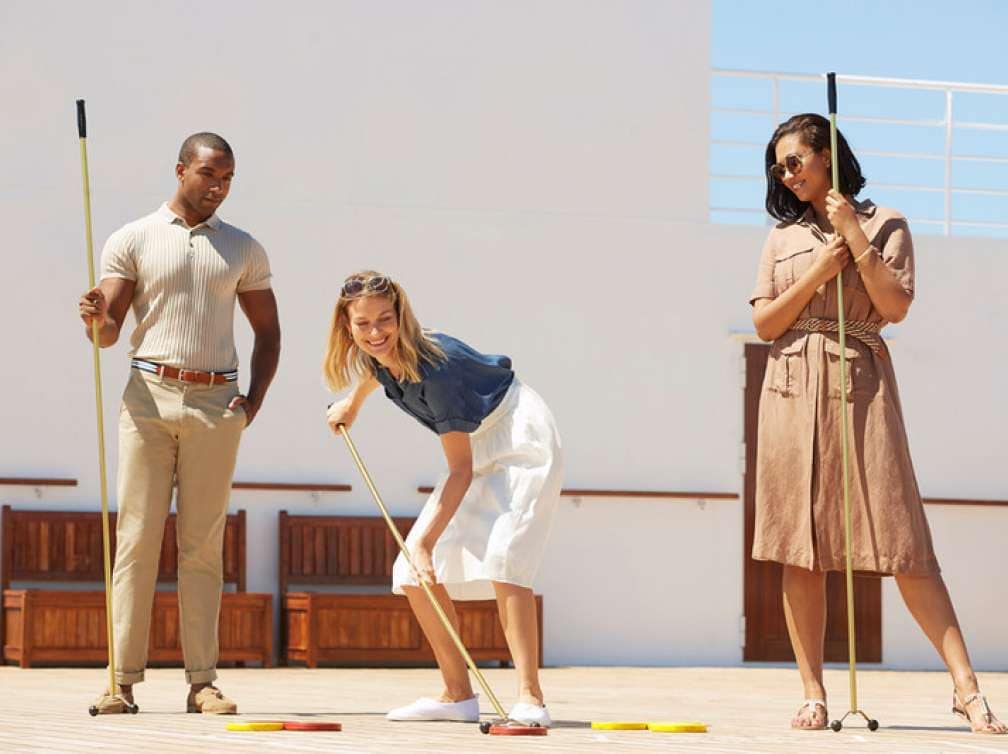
<point>181,269</point>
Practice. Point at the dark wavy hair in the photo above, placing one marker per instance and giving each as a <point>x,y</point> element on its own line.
<point>781,203</point>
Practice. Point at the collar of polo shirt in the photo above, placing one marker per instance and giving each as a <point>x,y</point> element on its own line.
<point>165,213</point>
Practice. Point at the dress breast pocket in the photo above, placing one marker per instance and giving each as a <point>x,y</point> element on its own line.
<point>790,265</point>
<point>787,368</point>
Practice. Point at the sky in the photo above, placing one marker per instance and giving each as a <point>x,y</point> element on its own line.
<point>943,41</point>
<point>962,40</point>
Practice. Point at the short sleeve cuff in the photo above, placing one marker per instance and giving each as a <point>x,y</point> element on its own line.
<point>904,274</point>
<point>117,275</point>
<point>762,291</point>
<point>258,285</point>
<point>455,425</point>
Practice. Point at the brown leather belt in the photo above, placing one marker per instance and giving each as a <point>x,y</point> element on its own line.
<point>185,375</point>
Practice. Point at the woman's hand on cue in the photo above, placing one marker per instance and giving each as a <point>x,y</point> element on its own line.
<point>423,561</point>
<point>844,220</point>
<point>831,260</point>
<point>841,214</point>
<point>341,412</point>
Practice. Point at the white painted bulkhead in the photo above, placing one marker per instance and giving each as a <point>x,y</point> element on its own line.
<point>535,174</point>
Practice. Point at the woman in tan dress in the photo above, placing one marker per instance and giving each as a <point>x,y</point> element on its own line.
<point>799,508</point>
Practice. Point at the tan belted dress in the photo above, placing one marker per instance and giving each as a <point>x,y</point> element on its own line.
<point>799,497</point>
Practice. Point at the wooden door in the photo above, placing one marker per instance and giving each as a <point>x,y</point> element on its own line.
<point>766,636</point>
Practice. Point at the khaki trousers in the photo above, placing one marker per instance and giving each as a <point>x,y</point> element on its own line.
<point>182,434</point>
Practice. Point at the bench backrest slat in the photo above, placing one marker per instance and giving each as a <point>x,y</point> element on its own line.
<point>336,550</point>
<point>66,546</point>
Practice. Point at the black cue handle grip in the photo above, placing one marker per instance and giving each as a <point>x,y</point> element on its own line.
<point>81,120</point>
<point>831,91</point>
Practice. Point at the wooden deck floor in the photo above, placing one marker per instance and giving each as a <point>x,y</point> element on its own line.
<point>747,709</point>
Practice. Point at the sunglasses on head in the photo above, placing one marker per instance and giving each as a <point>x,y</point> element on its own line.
<point>357,285</point>
<point>792,164</point>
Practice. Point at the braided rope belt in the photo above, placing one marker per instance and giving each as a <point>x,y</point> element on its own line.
<point>866,332</point>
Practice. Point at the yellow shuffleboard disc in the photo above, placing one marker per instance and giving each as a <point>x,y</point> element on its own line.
<point>677,727</point>
<point>256,726</point>
<point>619,726</point>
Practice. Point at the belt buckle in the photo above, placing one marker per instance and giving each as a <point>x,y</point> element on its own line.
<point>183,375</point>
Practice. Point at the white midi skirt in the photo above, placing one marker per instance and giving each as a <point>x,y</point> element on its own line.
<point>500,529</point>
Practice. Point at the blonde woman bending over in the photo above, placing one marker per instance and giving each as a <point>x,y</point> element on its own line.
<point>483,531</point>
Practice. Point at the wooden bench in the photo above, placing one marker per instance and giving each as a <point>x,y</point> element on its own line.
<point>67,627</point>
<point>371,627</point>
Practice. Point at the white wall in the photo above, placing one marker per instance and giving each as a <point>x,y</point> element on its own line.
<point>950,361</point>
<point>535,174</point>
<point>970,547</point>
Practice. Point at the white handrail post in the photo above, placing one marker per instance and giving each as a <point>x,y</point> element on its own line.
<point>775,102</point>
<point>948,162</point>
<point>775,109</point>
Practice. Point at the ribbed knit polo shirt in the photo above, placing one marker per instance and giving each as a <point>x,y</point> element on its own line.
<point>187,281</point>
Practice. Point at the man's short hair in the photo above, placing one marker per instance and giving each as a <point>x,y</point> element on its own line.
<point>203,139</point>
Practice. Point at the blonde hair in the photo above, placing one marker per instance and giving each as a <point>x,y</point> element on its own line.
<point>344,360</point>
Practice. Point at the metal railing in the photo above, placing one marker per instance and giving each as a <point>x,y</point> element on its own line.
<point>946,224</point>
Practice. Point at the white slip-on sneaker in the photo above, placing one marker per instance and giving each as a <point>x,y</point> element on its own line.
<point>466,711</point>
<point>530,714</point>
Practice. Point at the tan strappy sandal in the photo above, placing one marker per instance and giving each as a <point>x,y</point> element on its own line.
<point>961,709</point>
<point>811,704</point>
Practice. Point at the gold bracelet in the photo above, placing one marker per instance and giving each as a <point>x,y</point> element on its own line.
<point>862,255</point>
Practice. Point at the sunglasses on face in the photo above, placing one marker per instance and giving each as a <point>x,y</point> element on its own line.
<point>357,286</point>
<point>792,164</point>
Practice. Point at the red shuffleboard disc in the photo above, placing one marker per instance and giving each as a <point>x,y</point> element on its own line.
<point>298,725</point>
<point>518,730</point>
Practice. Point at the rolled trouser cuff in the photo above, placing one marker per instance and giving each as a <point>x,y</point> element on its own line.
<point>201,676</point>
<point>128,678</point>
